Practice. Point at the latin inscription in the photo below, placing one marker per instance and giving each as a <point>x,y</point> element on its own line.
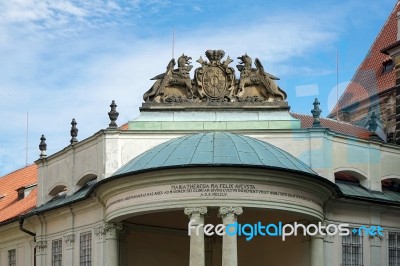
<point>211,191</point>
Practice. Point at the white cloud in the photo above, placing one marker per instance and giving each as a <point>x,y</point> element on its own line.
<point>64,64</point>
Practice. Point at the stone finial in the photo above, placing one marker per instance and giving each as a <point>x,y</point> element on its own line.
<point>42,147</point>
<point>316,112</point>
<point>74,131</point>
<point>113,115</point>
<point>372,124</point>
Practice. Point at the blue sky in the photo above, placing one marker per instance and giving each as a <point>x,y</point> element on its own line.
<point>64,59</point>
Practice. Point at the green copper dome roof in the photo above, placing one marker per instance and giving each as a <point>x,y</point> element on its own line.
<point>214,149</point>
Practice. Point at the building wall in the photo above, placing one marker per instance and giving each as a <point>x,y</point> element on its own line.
<point>384,106</point>
<point>12,238</point>
<point>324,151</point>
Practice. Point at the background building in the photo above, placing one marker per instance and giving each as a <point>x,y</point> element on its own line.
<point>373,86</point>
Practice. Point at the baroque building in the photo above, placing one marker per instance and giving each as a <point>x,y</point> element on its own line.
<point>216,149</point>
<point>374,86</point>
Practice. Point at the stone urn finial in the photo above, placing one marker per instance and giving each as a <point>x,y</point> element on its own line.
<point>316,112</point>
<point>372,124</point>
<point>113,115</point>
<point>74,132</point>
<point>42,147</point>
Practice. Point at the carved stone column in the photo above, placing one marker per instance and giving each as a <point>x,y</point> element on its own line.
<point>229,243</point>
<point>317,250</point>
<point>110,234</point>
<point>197,254</point>
<point>100,250</point>
<point>112,243</point>
<point>69,249</point>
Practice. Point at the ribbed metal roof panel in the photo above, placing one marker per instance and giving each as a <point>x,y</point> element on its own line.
<point>214,148</point>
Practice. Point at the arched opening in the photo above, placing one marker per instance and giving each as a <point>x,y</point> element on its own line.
<point>391,184</point>
<point>58,190</point>
<point>352,177</point>
<point>166,234</point>
<point>85,180</point>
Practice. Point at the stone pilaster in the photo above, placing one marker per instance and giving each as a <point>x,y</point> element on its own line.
<point>229,243</point>
<point>375,250</point>
<point>69,248</point>
<point>41,247</point>
<point>196,230</point>
<point>99,245</point>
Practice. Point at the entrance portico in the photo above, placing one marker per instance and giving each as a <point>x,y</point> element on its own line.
<point>162,238</point>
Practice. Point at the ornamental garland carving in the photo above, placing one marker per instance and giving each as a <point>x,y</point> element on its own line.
<point>108,230</point>
<point>41,246</point>
<point>69,240</point>
<point>214,81</point>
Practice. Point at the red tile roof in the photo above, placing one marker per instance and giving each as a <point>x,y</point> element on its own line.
<point>10,207</point>
<point>124,127</point>
<point>334,125</point>
<point>369,79</point>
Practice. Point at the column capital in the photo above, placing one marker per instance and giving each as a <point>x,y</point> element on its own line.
<point>69,240</point>
<point>223,211</point>
<point>375,240</point>
<point>196,214</point>
<point>113,229</point>
<point>41,246</point>
<point>194,210</point>
<point>108,230</point>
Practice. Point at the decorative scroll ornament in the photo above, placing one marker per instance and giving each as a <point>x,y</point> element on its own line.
<point>195,210</point>
<point>108,230</point>
<point>196,214</point>
<point>69,240</point>
<point>230,210</point>
<point>214,81</point>
<point>40,246</point>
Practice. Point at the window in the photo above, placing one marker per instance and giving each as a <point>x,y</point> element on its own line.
<point>352,250</point>
<point>56,253</point>
<point>394,249</point>
<point>21,193</point>
<point>86,249</point>
<point>12,258</point>
<point>387,66</point>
